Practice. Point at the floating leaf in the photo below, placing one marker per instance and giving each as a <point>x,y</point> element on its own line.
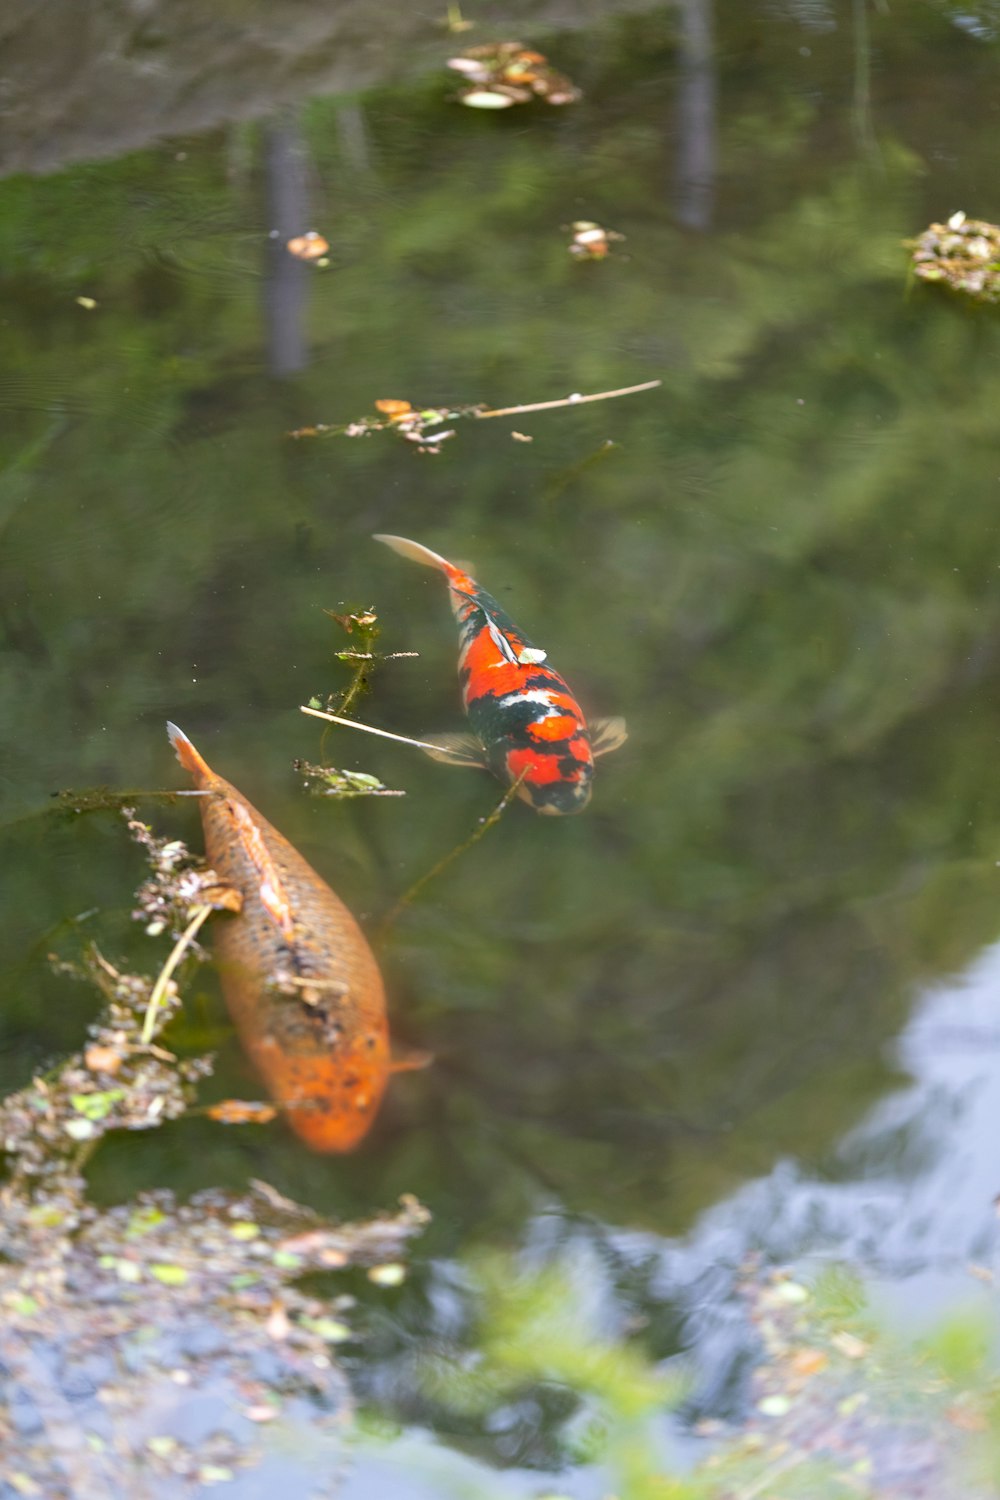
<point>96,1106</point>
<point>241,1112</point>
<point>488,99</point>
<point>788,1291</point>
<point>308,246</point>
<point>44,1216</point>
<point>102,1059</point>
<point>260,1413</point>
<point>286,1261</point>
<point>393,1274</point>
<point>278,1325</point>
<point>23,1304</point>
<point>169,1275</point>
<point>329,1329</point>
<point>849,1345</point>
<point>144,1220</point>
<point>244,1229</point>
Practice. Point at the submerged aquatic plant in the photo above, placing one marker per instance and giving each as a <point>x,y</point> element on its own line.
<point>327,781</point>
<point>362,658</point>
<point>837,1405</point>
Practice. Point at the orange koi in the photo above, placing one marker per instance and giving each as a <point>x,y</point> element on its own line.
<point>298,976</point>
<point>526,723</point>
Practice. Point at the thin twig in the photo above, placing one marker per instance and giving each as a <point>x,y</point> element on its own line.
<point>515,411</point>
<point>181,946</point>
<point>484,827</point>
<point>318,713</point>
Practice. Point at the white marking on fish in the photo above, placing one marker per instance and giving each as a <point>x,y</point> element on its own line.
<point>530,695</point>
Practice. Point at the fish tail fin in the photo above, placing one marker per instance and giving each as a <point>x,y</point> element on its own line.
<point>188,756</point>
<point>415,551</point>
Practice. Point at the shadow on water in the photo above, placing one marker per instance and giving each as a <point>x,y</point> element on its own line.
<point>663,1030</point>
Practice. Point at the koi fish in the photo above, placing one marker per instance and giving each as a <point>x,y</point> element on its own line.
<point>525,722</point>
<point>299,978</point>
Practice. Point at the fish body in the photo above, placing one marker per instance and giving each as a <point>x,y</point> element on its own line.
<point>298,976</point>
<point>527,726</point>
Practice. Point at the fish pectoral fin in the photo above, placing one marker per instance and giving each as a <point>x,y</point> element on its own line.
<point>607,735</point>
<point>455,750</point>
<point>411,1062</point>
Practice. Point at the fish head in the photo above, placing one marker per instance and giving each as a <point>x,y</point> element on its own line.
<point>558,798</point>
<point>339,1094</point>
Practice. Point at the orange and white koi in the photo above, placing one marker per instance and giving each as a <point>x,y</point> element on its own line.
<point>299,978</point>
<point>526,724</point>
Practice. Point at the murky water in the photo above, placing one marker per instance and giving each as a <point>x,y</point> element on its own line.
<point>664,1031</point>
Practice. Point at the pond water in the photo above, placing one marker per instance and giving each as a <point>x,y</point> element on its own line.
<point>664,1031</point>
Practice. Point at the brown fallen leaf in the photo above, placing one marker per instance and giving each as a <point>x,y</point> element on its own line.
<point>277,1325</point>
<point>849,1345</point>
<point>308,246</point>
<point>806,1362</point>
<point>102,1059</point>
<point>241,1112</point>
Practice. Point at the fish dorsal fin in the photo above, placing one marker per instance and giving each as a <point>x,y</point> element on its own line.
<point>455,750</point>
<point>607,735</point>
<point>271,888</point>
<point>501,642</point>
<point>527,656</point>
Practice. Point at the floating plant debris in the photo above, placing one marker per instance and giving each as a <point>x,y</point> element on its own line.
<point>591,241</point>
<point>308,246</point>
<point>327,781</point>
<point>454,21</point>
<point>363,658</point>
<point>418,424</point>
<point>502,74</point>
<point>154,1308</point>
<point>963,254</point>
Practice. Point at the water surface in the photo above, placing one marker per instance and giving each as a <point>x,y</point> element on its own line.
<point>781,567</point>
